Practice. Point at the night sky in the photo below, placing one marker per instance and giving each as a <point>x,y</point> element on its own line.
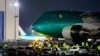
<point>30,10</point>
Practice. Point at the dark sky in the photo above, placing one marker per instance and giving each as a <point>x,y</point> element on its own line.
<point>30,10</point>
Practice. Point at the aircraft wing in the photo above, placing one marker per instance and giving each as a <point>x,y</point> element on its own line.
<point>88,18</point>
<point>94,32</point>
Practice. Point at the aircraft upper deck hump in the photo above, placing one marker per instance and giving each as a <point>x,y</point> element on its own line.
<point>88,17</point>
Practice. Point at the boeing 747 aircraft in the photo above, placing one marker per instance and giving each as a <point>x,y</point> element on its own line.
<point>71,25</point>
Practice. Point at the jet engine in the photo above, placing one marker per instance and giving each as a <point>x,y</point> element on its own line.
<point>76,33</point>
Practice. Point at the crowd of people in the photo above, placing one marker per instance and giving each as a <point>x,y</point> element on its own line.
<point>36,49</point>
<point>32,49</point>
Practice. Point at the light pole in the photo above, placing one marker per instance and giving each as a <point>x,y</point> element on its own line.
<point>15,5</point>
<point>15,19</point>
<point>5,22</point>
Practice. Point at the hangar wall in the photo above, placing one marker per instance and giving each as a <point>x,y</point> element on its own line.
<point>10,22</point>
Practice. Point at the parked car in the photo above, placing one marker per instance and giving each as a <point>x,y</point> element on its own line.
<point>46,51</point>
<point>62,51</point>
<point>51,51</point>
<point>75,50</point>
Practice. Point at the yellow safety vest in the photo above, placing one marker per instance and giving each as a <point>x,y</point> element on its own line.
<point>87,44</point>
<point>56,45</point>
<point>98,47</point>
<point>64,44</point>
<point>5,46</point>
<point>40,47</point>
<point>49,45</point>
<point>83,44</point>
<point>67,46</point>
<point>36,45</point>
<point>30,45</point>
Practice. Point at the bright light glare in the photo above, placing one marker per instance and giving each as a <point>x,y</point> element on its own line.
<point>15,4</point>
<point>89,39</point>
<point>36,39</point>
<point>32,37</point>
<point>11,4</point>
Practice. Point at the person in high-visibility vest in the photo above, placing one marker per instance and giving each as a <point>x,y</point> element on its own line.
<point>66,46</point>
<point>30,45</point>
<point>98,49</point>
<point>40,46</point>
<point>36,45</point>
<point>87,44</point>
<point>56,45</point>
<point>5,46</point>
<point>49,45</point>
<point>83,44</point>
